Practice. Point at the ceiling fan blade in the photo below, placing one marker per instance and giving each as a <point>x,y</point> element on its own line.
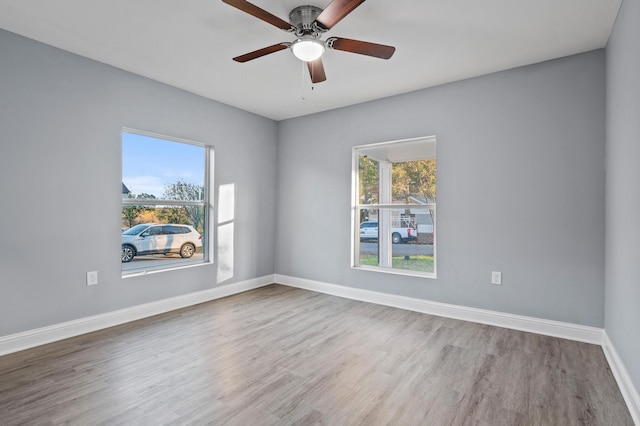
<point>316,70</point>
<point>261,52</point>
<point>362,47</point>
<point>337,10</point>
<point>254,10</point>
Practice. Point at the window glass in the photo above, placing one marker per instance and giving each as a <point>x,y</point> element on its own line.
<point>368,180</point>
<point>395,207</point>
<point>165,202</point>
<point>155,230</point>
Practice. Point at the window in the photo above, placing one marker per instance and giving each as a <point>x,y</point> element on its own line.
<point>394,207</point>
<point>165,203</point>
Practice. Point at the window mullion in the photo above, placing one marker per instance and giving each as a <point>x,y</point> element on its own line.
<point>159,202</point>
<point>384,215</point>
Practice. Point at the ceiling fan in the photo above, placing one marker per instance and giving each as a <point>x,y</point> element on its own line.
<point>308,23</point>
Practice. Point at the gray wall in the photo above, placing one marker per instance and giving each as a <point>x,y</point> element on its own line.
<point>520,189</point>
<point>60,168</point>
<point>622,297</point>
<point>520,181</point>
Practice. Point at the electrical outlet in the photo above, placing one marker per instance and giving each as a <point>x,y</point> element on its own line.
<point>496,277</point>
<point>92,278</point>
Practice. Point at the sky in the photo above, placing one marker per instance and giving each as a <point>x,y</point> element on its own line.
<point>149,163</point>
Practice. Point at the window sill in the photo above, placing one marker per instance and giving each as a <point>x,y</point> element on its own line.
<point>137,273</point>
<point>405,272</point>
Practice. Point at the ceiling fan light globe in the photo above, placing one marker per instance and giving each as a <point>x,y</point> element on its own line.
<point>307,49</point>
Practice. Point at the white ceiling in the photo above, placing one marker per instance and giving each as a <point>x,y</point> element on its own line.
<point>189,44</point>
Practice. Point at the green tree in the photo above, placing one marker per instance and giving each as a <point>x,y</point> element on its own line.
<point>368,184</point>
<point>408,178</point>
<point>173,215</point>
<point>414,178</point>
<point>368,179</point>
<point>184,191</point>
<point>130,213</point>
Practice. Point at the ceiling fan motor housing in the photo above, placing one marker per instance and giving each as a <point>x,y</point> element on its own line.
<point>303,18</point>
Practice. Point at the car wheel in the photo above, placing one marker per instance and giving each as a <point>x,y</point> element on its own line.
<point>396,238</point>
<point>127,253</point>
<point>187,250</point>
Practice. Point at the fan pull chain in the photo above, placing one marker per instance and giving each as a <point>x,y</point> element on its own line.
<point>304,80</point>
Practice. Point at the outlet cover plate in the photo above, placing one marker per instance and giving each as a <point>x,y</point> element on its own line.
<point>496,277</point>
<point>92,278</point>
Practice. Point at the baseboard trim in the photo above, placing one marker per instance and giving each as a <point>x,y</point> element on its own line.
<point>32,338</point>
<point>563,330</point>
<point>628,390</point>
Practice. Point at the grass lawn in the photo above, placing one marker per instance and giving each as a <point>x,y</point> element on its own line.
<point>421,263</point>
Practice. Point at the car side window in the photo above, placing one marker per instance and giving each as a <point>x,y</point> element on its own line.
<point>156,230</point>
<point>173,230</point>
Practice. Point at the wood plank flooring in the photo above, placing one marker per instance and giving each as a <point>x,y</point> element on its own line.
<point>284,356</point>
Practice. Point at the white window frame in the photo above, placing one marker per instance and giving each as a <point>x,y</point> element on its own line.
<point>206,203</point>
<point>384,207</point>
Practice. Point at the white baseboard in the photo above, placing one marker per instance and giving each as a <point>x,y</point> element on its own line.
<point>628,390</point>
<point>563,330</point>
<point>29,339</point>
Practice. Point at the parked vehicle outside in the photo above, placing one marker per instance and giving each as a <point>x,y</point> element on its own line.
<point>369,231</point>
<point>164,238</point>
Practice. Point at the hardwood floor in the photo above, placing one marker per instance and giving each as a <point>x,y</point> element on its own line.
<point>279,355</point>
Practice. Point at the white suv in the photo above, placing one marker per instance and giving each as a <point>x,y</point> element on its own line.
<point>165,238</point>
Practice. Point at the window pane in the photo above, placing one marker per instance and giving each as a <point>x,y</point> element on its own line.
<point>414,182</point>
<point>410,237</point>
<point>369,245</point>
<point>162,169</point>
<point>412,240</point>
<point>166,236</point>
<point>368,180</point>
